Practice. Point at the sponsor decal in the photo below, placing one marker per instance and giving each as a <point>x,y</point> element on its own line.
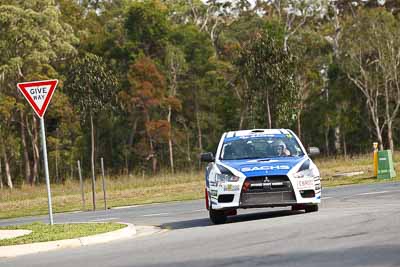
<point>256,135</point>
<point>265,168</point>
<point>305,183</point>
<point>266,184</point>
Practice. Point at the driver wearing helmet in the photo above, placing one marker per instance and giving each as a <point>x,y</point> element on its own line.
<point>281,150</point>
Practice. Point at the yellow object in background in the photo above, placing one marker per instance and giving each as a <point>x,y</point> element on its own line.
<point>375,159</point>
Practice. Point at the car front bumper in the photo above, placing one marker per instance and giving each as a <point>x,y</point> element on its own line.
<point>295,191</point>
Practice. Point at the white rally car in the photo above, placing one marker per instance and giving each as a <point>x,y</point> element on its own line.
<point>260,168</point>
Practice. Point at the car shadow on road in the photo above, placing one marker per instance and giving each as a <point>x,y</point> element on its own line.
<point>204,222</point>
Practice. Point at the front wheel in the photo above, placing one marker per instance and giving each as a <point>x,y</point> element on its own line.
<point>217,216</point>
<point>312,208</point>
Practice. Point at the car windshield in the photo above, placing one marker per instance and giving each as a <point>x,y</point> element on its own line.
<point>259,147</point>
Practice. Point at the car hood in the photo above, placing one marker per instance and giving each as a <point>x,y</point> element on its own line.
<point>261,167</point>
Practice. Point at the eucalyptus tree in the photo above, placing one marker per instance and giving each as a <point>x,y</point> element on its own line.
<point>294,14</point>
<point>33,41</point>
<point>7,109</point>
<point>92,86</point>
<point>176,65</point>
<point>272,84</point>
<point>371,59</point>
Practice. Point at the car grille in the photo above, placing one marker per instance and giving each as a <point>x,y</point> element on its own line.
<point>267,191</point>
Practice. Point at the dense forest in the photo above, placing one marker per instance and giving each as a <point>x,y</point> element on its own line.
<point>148,85</point>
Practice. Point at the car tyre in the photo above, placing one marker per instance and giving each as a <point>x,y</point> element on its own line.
<point>217,216</point>
<point>312,208</point>
<point>297,207</point>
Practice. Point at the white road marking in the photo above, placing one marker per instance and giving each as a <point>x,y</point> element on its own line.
<point>155,214</point>
<point>126,207</point>
<point>105,219</point>
<point>326,197</point>
<point>200,210</point>
<point>373,193</point>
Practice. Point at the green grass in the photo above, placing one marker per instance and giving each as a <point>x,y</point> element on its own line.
<point>131,190</point>
<point>43,232</point>
<point>126,190</point>
<point>331,166</point>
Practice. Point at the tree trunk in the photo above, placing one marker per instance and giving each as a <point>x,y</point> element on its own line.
<point>1,175</point>
<point>327,141</point>
<point>199,132</point>
<point>56,159</point>
<point>344,146</point>
<point>7,168</point>
<point>130,144</point>
<point>241,120</point>
<point>299,124</point>
<point>188,152</point>
<point>35,149</point>
<point>379,135</point>
<point>92,158</point>
<point>152,154</point>
<point>126,171</point>
<point>71,167</point>
<point>154,162</point>
<point>285,42</point>
<point>338,147</point>
<point>390,135</point>
<point>25,149</point>
<point>171,153</point>
<point>244,105</point>
<point>375,120</point>
<point>269,112</point>
<point>388,118</point>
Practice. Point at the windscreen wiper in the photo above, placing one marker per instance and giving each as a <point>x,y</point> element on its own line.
<point>262,160</point>
<point>259,159</point>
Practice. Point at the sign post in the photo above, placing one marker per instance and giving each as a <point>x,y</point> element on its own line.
<point>46,170</point>
<point>375,145</point>
<point>39,94</point>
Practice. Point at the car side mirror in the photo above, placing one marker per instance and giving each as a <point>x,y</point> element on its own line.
<point>313,151</point>
<point>207,157</point>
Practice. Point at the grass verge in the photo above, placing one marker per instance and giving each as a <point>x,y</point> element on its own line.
<point>43,232</point>
<point>133,190</point>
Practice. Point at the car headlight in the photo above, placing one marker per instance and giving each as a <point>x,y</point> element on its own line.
<point>310,173</point>
<point>307,171</point>
<point>227,178</point>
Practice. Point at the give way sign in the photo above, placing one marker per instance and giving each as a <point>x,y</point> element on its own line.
<point>38,94</point>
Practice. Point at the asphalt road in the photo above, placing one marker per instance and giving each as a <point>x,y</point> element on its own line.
<point>356,226</point>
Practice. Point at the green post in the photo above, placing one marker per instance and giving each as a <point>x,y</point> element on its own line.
<point>385,165</point>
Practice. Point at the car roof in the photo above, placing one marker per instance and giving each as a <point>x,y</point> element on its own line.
<point>255,132</point>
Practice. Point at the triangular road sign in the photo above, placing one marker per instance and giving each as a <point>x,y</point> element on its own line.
<point>38,94</point>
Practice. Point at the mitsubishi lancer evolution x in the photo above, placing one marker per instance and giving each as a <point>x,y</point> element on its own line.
<point>260,168</point>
